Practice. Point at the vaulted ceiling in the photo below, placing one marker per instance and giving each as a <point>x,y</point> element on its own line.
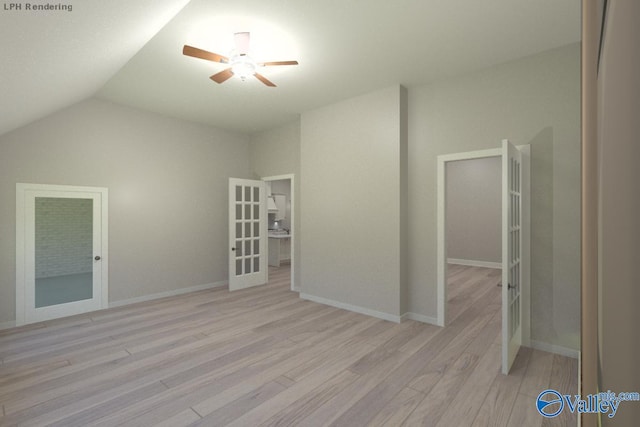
<point>130,52</point>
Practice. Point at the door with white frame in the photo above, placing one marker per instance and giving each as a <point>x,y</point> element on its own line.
<point>512,231</point>
<point>515,243</point>
<point>247,234</point>
<point>61,251</point>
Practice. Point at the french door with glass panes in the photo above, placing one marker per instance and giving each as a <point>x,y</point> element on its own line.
<point>61,249</point>
<point>511,254</point>
<point>247,234</point>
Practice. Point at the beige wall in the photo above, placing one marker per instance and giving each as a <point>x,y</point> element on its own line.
<point>535,100</point>
<point>474,210</point>
<point>167,182</point>
<point>277,152</point>
<point>352,201</point>
<point>618,156</point>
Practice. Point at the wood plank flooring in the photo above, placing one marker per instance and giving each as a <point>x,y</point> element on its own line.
<point>264,357</point>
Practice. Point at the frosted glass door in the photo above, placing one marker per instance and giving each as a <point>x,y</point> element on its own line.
<point>63,250</point>
<point>61,238</point>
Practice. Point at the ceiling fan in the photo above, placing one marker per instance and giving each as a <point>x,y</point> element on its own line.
<point>240,63</point>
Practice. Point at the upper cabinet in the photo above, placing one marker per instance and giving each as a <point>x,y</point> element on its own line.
<point>271,205</point>
<point>281,204</point>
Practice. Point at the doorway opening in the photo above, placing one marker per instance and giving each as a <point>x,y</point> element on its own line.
<point>282,230</point>
<point>442,258</point>
<point>473,234</point>
<point>515,237</point>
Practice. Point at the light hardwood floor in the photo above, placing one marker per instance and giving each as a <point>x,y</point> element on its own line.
<point>263,357</point>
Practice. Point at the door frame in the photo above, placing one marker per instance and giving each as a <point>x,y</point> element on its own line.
<point>292,178</point>
<point>441,247</point>
<point>21,227</point>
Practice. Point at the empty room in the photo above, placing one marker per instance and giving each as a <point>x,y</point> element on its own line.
<point>258,213</point>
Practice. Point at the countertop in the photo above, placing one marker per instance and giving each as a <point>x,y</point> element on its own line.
<point>279,236</point>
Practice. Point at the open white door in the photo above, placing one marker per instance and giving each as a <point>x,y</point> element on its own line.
<point>511,254</point>
<point>247,234</point>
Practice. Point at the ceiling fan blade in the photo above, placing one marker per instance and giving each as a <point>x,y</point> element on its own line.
<point>264,80</point>
<point>203,54</point>
<point>267,64</point>
<point>222,76</point>
<point>242,42</point>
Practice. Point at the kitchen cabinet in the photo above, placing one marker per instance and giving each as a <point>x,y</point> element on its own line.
<point>279,248</point>
<point>281,204</point>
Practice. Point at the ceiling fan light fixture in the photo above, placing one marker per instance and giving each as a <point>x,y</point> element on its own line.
<point>243,66</point>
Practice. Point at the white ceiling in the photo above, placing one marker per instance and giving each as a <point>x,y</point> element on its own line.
<point>121,50</point>
<point>52,59</point>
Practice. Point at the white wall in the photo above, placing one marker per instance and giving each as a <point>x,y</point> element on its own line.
<point>619,194</point>
<point>535,100</point>
<point>474,210</point>
<point>351,163</point>
<point>167,182</point>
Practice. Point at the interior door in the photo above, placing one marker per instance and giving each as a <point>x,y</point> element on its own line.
<point>61,238</point>
<point>511,254</point>
<point>247,233</point>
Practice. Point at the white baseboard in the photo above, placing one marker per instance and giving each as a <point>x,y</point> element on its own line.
<point>556,349</point>
<point>7,325</point>
<point>167,294</point>
<point>474,263</point>
<point>11,324</point>
<point>350,307</point>
<point>420,318</point>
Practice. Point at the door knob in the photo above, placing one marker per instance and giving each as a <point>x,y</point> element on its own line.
<point>97,258</point>
<point>233,249</point>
